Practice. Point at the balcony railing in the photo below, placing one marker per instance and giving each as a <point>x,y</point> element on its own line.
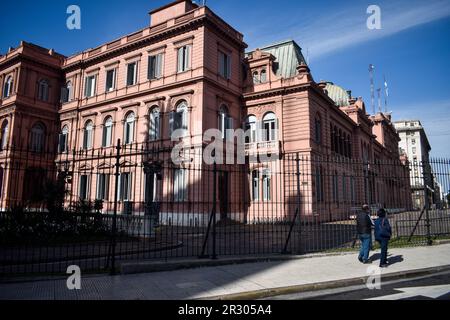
<point>262,147</point>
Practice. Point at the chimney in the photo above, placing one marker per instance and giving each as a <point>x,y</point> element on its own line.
<point>170,11</point>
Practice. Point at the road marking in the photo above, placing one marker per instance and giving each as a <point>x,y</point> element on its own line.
<point>433,292</point>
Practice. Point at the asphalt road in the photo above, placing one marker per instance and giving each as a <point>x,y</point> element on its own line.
<point>430,287</point>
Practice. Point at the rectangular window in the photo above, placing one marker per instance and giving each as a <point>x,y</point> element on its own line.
<point>125,186</point>
<point>89,86</point>
<point>84,187</point>
<point>224,65</point>
<point>102,186</point>
<point>155,64</point>
<point>179,185</point>
<point>110,80</point>
<point>132,74</point>
<point>184,54</point>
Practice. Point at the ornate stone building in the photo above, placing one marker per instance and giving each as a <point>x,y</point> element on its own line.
<point>189,70</point>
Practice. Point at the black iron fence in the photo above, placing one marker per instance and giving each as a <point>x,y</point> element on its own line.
<point>100,208</point>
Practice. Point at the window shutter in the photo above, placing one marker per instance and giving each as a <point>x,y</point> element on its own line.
<point>158,71</point>
<point>64,94</point>
<point>171,122</point>
<point>277,129</point>
<point>85,139</point>
<point>180,59</point>
<point>94,79</point>
<point>221,64</point>
<point>187,58</point>
<point>229,67</point>
<point>149,68</point>
<point>86,87</point>
<point>130,75</point>
<point>61,147</point>
<point>157,126</point>
<point>228,128</point>
<point>259,131</point>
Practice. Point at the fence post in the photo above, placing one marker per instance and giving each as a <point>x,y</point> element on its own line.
<point>114,222</point>
<point>298,203</point>
<point>427,216</point>
<point>214,253</point>
<point>297,213</point>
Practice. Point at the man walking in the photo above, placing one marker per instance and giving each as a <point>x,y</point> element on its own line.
<point>364,226</point>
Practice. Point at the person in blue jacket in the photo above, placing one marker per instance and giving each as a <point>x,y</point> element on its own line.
<point>383,233</point>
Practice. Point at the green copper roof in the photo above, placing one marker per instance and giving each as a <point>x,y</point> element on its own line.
<point>288,56</point>
<point>338,94</point>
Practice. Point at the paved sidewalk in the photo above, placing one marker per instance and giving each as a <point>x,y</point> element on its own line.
<point>227,280</point>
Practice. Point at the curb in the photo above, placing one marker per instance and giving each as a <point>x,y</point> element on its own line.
<point>272,292</point>
<point>159,266</point>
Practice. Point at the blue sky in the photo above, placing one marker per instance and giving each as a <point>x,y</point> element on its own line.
<point>412,49</point>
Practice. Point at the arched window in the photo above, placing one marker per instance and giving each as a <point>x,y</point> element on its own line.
<point>37,137</point>
<point>256,77</point>
<point>255,185</point>
<point>4,135</point>
<point>270,127</point>
<point>107,132</point>
<point>7,89</point>
<point>340,144</point>
<point>318,130</point>
<point>250,129</point>
<point>266,178</point>
<point>179,118</point>
<point>43,90</point>
<point>263,76</point>
<point>63,140</point>
<point>88,135</point>
<point>155,124</point>
<point>129,128</point>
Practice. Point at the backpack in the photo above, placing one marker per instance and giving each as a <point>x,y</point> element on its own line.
<point>384,230</point>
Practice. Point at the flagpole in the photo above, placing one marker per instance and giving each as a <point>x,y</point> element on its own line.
<point>372,88</point>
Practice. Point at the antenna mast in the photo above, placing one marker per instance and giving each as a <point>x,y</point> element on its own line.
<point>372,89</point>
<point>386,93</point>
<point>379,99</point>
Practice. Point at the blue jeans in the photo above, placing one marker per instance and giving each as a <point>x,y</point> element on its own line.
<point>366,242</point>
<point>384,248</point>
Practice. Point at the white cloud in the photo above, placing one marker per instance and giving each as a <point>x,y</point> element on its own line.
<point>346,27</point>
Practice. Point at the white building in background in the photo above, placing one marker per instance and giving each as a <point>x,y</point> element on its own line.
<point>414,142</point>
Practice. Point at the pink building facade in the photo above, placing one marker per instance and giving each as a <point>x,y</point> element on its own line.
<point>188,72</point>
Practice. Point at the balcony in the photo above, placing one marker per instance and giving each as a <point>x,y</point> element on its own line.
<point>263,147</point>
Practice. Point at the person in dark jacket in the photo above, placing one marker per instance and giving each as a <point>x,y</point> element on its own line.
<point>364,226</point>
<point>383,233</point>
